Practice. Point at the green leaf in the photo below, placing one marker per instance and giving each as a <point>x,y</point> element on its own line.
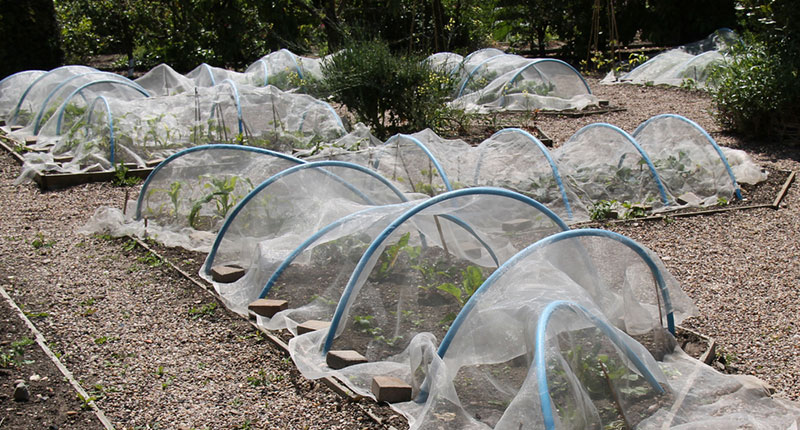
<point>453,290</point>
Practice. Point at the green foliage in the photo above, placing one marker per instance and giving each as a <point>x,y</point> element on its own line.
<point>151,260</point>
<point>221,191</point>
<point>612,209</point>
<point>389,257</point>
<point>387,92</point>
<point>758,90</point>
<point>602,210</point>
<point>206,310</point>
<point>40,242</point>
<point>122,178</point>
<point>363,323</point>
<point>183,33</point>
<point>471,278</point>
<point>752,88</point>
<point>682,21</point>
<point>14,357</point>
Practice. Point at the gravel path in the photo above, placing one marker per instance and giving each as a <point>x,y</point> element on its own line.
<point>155,351</point>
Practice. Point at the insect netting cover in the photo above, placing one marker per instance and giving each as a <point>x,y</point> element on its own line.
<point>509,82</point>
<point>71,95</point>
<point>531,359</point>
<point>686,158</point>
<point>501,368</point>
<point>67,106</point>
<point>285,121</point>
<point>516,160</point>
<point>283,69</point>
<point>11,89</point>
<point>686,65</point>
<point>163,80</point>
<point>473,60</point>
<point>280,213</point>
<point>149,129</point>
<point>205,75</point>
<point>479,76</point>
<point>444,62</point>
<point>312,277</point>
<point>415,277</point>
<point>601,162</point>
<point>23,110</point>
<point>419,163</point>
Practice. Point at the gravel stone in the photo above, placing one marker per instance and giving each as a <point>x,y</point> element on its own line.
<point>22,393</point>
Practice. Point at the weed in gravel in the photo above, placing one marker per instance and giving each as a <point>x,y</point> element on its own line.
<point>86,401</point>
<point>54,348</point>
<point>34,315</point>
<point>262,379</point>
<point>207,309</point>
<point>39,242</point>
<point>151,260</point>
<point>129,245</point>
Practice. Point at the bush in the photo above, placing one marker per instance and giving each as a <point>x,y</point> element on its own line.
<point>748,89</point>
<point>758,90</point>
<point>390,94</point>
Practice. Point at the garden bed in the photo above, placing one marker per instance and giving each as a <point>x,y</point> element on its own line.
<point>54,180</point>
<point>53,402</point>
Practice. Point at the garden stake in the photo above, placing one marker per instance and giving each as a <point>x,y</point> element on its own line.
<point>441,236</point>
<point>614,394</point>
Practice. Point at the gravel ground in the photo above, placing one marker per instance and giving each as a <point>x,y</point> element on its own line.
<point>156,352</point>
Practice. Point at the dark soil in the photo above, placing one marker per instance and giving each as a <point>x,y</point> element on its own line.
<point>54,403</point>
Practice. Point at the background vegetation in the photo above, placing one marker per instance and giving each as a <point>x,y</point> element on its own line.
<point>758,94</point>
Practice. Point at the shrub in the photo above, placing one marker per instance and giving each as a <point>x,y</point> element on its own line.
<point>753,88</point>
<point>745,88</point>
<point>389,93</point>
<point>758,91</point>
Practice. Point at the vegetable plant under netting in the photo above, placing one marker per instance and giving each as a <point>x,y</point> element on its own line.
<point>514,159</point>
<point>22,110</point>
<point>540,362</point>
<point>602,162</point>
<point>687,159</point>
<point>417,273</point>
<point>283,69</point>
<point>186,198</point>
<point>494,81</point>
<point>689,65</point>
<point>281,212</point>
<point>157,127</point>
<point>314,276</point>
<point>197,187</point>
<point>533,349</point>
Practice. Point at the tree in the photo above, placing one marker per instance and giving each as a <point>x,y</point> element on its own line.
<point>30,36</point>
